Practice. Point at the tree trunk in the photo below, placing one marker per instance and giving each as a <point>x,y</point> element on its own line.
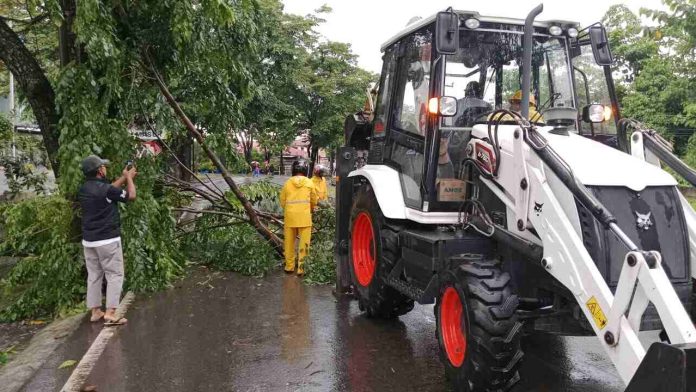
<point>247,142</point>
<point>182,146</point>
<point>35,86</point>
<point>313,157</point>
<point>247,152</point>
<point>248,208</point>
<point>66,38</point>
<point>332,159</point>
<point>281,169</point>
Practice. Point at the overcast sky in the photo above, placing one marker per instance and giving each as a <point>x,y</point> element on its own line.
<point>366,24</point>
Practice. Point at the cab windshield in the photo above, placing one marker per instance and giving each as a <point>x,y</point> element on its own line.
<point>485,75</point>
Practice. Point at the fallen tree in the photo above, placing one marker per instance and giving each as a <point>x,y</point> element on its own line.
<point>253,215</point>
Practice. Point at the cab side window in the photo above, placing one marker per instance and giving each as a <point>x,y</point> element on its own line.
<point>414,84</point>
<point>384,94</point>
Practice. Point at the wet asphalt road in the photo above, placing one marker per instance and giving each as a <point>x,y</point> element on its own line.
<point>225,332</point>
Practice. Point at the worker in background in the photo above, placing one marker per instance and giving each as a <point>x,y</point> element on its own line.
<point>320,171</point>
<point>298,198</point>
<point>516,106</point>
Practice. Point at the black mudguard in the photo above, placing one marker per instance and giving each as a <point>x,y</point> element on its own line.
<point>345,161</point>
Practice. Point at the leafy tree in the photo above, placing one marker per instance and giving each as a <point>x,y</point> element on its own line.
<point>658,62</point>
<point>330,87</point>
<point>629,43</point>
<point>199,70</point>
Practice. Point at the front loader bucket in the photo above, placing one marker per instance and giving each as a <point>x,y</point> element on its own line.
<point>666,367</point>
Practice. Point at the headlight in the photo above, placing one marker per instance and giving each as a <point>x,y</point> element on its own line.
<point>572,32</point>
<point>472,23</point>
<point>555,30</point>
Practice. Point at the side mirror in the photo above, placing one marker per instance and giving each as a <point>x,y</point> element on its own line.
<point>447,32</point>
<point>443,106</point>
<point>596,113</point>
<point>600,45</point>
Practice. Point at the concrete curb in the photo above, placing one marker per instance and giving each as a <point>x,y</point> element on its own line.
<point>84,368</point>
<point>15,374</point>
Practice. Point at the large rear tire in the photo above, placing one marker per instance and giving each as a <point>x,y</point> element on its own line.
<point>374,250</point>
<point>477,329</point>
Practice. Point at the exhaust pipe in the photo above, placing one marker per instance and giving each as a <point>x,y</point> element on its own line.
<point>527,57</point>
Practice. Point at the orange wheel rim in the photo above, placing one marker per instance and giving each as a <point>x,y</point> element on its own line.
<point>363,248</point>
<point>453,330</point>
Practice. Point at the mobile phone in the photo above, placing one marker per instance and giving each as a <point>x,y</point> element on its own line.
<point>129,164</point>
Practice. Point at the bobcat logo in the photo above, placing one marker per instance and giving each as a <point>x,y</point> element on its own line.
<point>538,207</point>
<point>643,222</point>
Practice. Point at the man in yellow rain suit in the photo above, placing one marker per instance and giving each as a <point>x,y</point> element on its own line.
<point>320,182</point>
<point>516,106</point>
<point>298,198</point>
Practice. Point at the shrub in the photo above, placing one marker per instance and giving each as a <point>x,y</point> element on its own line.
<point>45,233</point>
<point>49,278</point>
<point>320,267</point>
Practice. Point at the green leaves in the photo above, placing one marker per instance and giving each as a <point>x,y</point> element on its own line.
<point>659,64</point>
<point>320,267</point>
<point>48,278</point>
<point>67,364</point>
<point>233,247</point>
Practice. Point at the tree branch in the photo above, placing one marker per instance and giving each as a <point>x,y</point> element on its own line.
<point>248,208</point>
<point>195,211</point>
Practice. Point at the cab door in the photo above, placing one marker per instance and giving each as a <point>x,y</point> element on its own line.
<point>408,124</point>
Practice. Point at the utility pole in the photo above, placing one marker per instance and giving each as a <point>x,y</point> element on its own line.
<point>12,114</point>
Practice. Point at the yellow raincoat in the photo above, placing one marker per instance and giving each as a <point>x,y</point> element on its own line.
<point>320,186</point>
<point>298,198</point>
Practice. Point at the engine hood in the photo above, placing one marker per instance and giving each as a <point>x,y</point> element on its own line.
<point>593,163</point>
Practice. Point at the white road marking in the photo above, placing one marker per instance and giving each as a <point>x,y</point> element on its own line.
<point>84,368</point>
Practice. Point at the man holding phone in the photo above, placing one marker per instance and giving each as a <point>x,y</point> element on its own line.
<point>101,233</point>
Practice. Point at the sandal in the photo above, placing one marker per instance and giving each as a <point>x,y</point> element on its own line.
<point>92,319</point>
<point>111,323</point>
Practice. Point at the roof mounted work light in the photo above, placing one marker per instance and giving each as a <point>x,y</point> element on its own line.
<point>472,23</point>
<point>555,30</point>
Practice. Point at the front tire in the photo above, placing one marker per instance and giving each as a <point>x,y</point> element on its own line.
<point>477,328</point>
<point>374,250</point>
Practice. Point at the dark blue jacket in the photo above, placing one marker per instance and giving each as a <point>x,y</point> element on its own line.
<point>99,200</point>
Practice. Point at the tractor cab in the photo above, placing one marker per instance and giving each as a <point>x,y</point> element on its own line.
<point>431,97</point>
<point>493,177</point>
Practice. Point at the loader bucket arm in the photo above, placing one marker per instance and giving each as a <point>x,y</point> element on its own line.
<point>614,317</point>
<point>646,139</point>
<point>642,281</point>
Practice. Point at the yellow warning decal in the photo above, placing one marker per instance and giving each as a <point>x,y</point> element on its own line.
<point>597,314</point>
